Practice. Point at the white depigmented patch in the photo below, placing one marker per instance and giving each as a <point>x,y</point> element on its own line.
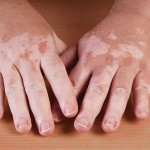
<point>133,50</point>
<point>116,53</point>
<point>95,45</point>
<point>18,44</point>
<point>109,68</point>
<point>126,49</point>
<point>142,43</point>
<point>140,31</point>
<point>112,36</point>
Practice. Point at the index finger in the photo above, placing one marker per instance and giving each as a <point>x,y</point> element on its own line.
<point>56,74</point>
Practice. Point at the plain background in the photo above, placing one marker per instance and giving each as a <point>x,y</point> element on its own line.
<point>71,19</point>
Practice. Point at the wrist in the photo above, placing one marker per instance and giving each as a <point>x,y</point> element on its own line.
<point>136,7</point>
<point>10,3</point>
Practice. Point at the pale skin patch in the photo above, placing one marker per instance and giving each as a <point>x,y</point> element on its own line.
<point>127,49</point>
<point>95,45</point>
<point>140,31</point>
<point>143,44</point>
<point>27,47</point>
<point>36,44</point>
<point>106,43</point>
<point>133,50</point>
<point>112,36</point>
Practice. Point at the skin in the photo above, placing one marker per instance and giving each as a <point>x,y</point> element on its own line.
<point>113,56</point>
<point>28,45</point>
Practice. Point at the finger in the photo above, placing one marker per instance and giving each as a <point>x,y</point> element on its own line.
<point>16,98</point>
<point>56,74</point>
<point>70,56</point>
<point>38,96</point>
<point>141,94</point>
<point>94,99</point>
<point>2,96</point>
<point>57,113</point>
<point>119,95</point>
<point>79,77</point>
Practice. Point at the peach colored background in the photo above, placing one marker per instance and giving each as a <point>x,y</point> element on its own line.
<point>71,19</point>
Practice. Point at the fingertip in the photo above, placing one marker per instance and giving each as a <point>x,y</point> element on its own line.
<point>81,125</point>
<point>57,113</point>
<point>110,125</point>
<point>70,110</point>
<point>46,128</point>
<point>23,126</point>
<point>57,116</point>
<point>24,130</point>
<point>141,115</point>
<point>58,120</point>
<point>47,132</point>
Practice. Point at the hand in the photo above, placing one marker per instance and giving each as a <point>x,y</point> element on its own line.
<point>28,46</point>
<point>113,56</point>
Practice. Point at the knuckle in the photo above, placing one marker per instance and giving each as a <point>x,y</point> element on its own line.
<point>141,88</point>
<point>13,89</point>
<point>120,91</point>
<point>36,87</point>
<point>98,89</point>
<point>59,75</point>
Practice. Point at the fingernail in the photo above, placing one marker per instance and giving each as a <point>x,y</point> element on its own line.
<point>110,123</point>
<point>45,126</point>
<point>69,110</point>
<point>143,114</point>
<point>22,123</point>
<point>58,117</point>
<point>83,123</point>
<point>57,120</point>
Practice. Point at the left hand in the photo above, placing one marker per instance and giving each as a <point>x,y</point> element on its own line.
<point>115,54</point>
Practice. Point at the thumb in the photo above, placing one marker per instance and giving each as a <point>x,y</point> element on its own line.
<point>70,56</point>
<point>60,45</point>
